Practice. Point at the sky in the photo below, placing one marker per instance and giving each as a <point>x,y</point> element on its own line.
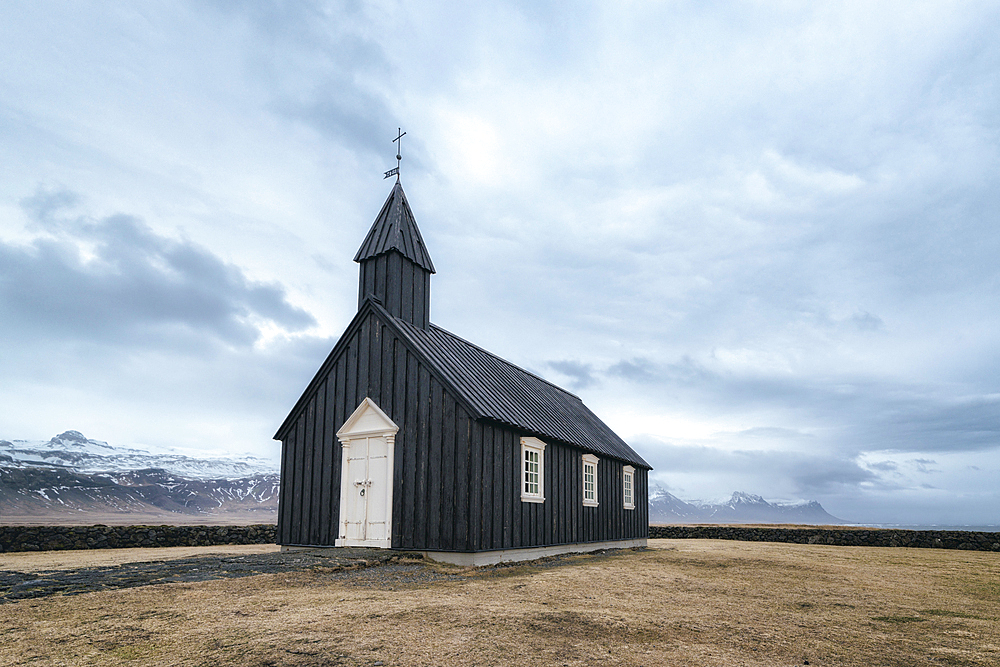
<point>758,239</point>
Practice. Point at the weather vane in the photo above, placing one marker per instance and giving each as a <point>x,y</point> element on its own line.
<point>399,144</point>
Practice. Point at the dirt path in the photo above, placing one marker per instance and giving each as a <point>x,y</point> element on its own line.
<point>146,567</point>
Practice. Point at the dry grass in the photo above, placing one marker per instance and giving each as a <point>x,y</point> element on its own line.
<point>683,602</point>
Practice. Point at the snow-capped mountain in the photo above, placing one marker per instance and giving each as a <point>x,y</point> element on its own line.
<point>73,450</point>
<point>740,508</point>
<point>71,478</point>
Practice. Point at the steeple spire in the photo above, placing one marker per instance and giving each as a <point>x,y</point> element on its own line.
<point>395,228</point>
<point>395,265</point>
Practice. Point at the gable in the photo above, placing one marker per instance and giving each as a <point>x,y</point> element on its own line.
<point>366,420</point>
<point>489,387</point>
<point>352,335</point>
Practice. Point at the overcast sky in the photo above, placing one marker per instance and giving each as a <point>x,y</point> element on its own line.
<point>760,240</point>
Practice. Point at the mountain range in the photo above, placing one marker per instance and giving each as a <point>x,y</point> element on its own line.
<point>740,508</point>
<point>72,479</point>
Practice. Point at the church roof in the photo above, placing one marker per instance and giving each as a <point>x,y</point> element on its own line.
<point>395,228</point>
<point>499,390</point>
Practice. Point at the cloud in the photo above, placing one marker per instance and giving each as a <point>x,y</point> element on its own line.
<point>580,374</point>
<point>115,281</point>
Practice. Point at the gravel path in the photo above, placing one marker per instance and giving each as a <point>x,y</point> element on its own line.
<point>370,568</point>
<point>364,567</point>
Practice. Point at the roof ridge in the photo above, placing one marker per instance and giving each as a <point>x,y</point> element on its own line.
<point>505,362</point>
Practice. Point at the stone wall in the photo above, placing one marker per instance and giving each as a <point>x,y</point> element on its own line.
<point>853,537</point>
<point>53,538</point>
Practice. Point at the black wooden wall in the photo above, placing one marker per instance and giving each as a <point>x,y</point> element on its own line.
<point>456,480</point>
<point>500,520</point>
<point>403,287</point>
<point>430,445</point>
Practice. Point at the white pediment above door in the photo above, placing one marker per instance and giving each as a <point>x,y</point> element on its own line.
<point>368,419</point>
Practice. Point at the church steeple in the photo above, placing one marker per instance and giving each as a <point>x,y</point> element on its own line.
<point>395,265</point>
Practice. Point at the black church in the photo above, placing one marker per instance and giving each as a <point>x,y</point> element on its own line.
<point>410,437</point>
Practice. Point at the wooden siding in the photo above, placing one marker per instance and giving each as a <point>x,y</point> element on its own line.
<point>403,287</point>
<point>456,480</point>
<point>431,456</point>
<point>498,519</point>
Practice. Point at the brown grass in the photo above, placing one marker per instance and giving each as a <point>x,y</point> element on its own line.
<point>683,602</point>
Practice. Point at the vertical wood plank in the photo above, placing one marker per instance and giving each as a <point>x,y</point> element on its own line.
<point>409,274</point>
<point>285,490</point>
<point>393,388</point>
<point>435,479</point>
<point>463,452</point>
<point>501,501</point>
<point>410,448</point>
<point>330,449</point>
<point>375,362</point>
<point>476,490</point>
<point>449,477</point>
<point>351,400</point>
<point>393,287</point>
<point>364,349</point>
<point>308,450</point>
<point>420,299</point>
<point>300,427</point>
<point>319,449</point>
<point>380,277</point>
<point>421,519</point>
<point>511,489</point>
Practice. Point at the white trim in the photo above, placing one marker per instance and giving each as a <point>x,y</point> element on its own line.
<point>478,558</point>
<point>590,460</point>
<point>628,487</point>
<point>536,446</point>
<point>378,423</point>
<point>367,421</point>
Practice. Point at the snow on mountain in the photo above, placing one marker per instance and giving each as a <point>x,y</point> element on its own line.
<point>75,451</point>
<point>73,478</point>
<point>739,508</point>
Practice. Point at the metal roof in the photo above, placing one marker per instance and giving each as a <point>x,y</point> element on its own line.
<point>499,390</point>
<point>395,228</point>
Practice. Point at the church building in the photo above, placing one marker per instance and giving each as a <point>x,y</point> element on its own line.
<point>412,438</point>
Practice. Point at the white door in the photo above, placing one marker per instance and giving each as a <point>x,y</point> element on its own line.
<point>364,511</point>
<point>368,440</point>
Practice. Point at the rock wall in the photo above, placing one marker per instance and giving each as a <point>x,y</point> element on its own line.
<point>854,537</point>
<point>54,538</point>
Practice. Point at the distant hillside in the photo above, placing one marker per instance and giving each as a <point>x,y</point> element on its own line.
<point>72,479</point>
<point>740,508</point>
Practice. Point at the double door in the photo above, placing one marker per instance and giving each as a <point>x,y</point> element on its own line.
<point>365,492</point>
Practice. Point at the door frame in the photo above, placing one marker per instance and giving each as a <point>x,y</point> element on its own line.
<point>367,421</point>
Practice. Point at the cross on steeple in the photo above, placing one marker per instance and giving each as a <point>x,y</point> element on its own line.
<point>399,144</point>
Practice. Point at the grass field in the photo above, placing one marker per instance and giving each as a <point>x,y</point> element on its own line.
<point>681,602</point>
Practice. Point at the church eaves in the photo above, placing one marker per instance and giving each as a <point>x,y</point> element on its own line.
<point>395,228</point>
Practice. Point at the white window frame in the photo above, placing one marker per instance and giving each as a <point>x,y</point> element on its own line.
<point>535,446</point>
<point>628,487</point>
<point>589,460</point>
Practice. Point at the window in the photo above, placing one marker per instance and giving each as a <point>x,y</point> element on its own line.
<point>532,470</point>
<point>589,480</point>
<point>629,487</point>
